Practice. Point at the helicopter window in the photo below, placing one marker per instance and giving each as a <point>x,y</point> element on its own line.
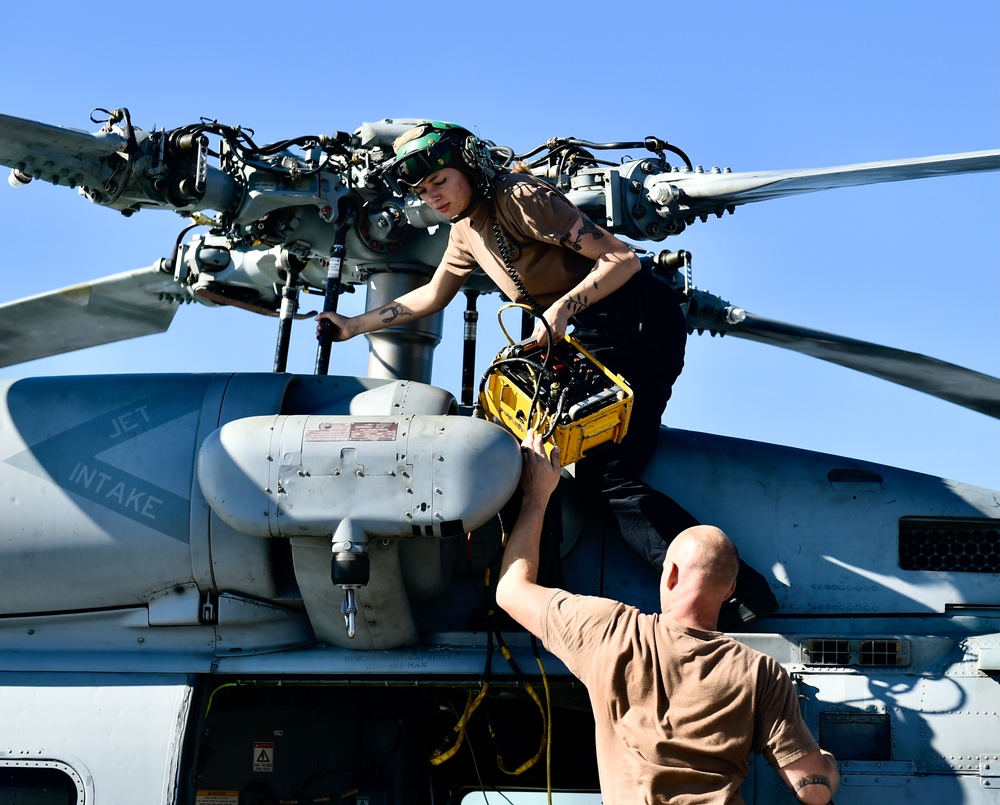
<point>856,736</point>
<point>39,782</point>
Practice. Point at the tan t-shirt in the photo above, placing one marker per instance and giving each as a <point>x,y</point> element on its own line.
<point>677,710</point>
<point>536,220</point>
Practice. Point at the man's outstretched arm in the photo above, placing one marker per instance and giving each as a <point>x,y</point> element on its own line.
<point>517,591</point>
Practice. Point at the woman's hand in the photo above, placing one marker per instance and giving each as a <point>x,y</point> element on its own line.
<point>340,325</point>
<point>557,317</point>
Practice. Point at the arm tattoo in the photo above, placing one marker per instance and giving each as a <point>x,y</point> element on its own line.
<point>588,228</point>
<point>392,312</point>
<point>812,779</point>
<point>577,303</point>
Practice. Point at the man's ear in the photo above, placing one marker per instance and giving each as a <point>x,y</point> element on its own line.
<point>673,575</point>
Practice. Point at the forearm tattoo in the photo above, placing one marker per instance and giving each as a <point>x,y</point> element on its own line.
<point>812,779</point>
<point>392,312</point>
<point>577,303</point>
<point>588,228</point>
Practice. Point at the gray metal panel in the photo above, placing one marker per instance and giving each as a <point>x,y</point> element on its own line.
<point>823,529</point>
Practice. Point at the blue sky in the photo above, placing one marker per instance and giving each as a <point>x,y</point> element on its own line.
<point>751,86</point>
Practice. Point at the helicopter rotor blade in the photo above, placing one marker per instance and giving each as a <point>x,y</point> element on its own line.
<point>965,387</point>
<point>686,195</point>
<point>115,308</point>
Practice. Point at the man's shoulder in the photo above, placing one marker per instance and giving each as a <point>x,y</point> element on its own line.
<point>717,644</point>
<point>565,607</point>
<point>565,598</point>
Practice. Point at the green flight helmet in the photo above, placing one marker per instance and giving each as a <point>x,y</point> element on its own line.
<point>435,146</point>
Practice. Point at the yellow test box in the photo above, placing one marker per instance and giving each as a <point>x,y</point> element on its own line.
<point>570,396</point>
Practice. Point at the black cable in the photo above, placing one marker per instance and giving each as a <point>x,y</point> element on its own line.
<point>177,246</point>
<point>504,249</point>
<point>563,146</point>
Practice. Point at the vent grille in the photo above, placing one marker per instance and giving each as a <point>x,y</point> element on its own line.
<point>879,652</point>
<point>871,653</point>
<point>829,652</point>
<point>958,545</point>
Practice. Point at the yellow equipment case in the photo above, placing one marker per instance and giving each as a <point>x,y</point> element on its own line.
<point>564,394</point>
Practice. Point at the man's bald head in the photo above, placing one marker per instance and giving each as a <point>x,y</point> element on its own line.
<point>704,551</point>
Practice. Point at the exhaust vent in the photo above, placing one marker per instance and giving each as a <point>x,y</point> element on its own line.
<point>954,544</point>
<point>870,653</point>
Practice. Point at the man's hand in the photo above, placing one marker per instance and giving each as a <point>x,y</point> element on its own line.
<point>539,472</point>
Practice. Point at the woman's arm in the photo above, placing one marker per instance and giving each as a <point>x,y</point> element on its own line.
<point>415,304</point>
<point>614,265</point>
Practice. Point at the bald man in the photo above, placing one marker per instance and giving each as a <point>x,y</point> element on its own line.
<point>678,706</point>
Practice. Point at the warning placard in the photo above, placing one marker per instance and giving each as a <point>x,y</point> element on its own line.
<point>353,432</point>
<point>217,798</point>
<point>263,756</point>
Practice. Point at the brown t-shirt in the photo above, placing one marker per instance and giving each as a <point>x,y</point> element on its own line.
<point>678,710</point>
<point>536,220</point>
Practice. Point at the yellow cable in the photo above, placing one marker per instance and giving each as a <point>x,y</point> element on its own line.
<point>545,726</point>
<point>548,730</point>
<point>508,306</point>
<point>458,732</point>
<point>212,695</point>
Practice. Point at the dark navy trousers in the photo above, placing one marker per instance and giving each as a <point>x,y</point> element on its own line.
<point>640,333</point>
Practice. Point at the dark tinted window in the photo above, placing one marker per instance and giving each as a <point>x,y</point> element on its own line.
<point>36,786</point>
